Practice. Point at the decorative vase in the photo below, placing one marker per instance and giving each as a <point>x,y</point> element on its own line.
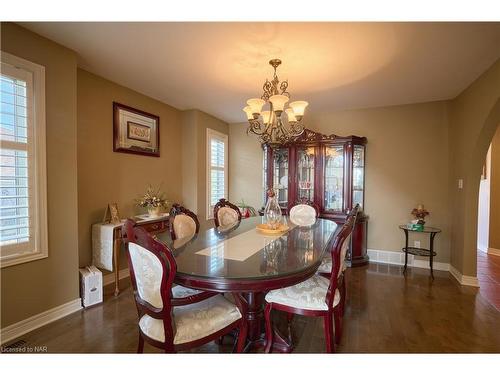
<point>272,212</point>
<point>154,211</point>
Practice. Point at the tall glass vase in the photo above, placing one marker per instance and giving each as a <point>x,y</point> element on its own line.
<point>272,212</point>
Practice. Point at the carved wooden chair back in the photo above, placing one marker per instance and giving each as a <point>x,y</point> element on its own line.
<point>309,203</point>
<point>182,222</point>
<point>339,251</point>
<point>226,213</point>
<point>152,271</point>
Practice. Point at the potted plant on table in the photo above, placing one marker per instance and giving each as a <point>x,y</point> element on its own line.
<point>153,200</point>
<point>246,210</point>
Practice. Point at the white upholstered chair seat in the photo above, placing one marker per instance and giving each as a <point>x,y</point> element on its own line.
<point>194,321</point>
<point>326,265</point>
<point>227,216</point>
<point>308,295</point>
<point>180,291</point>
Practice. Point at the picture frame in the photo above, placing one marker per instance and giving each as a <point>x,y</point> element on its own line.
<point>111,215</point>
<point>135,131</point>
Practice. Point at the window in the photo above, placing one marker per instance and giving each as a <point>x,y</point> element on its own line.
<point>216,169</point>
<point>23,210</point>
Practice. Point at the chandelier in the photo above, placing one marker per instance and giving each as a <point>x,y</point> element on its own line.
<point>268,125</point>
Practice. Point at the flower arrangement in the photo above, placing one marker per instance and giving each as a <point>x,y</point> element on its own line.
<point>420,213</point>
<point>153,200</point>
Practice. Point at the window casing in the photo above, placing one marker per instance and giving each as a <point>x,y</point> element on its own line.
<point>23,197</point>
<point>217,176</point>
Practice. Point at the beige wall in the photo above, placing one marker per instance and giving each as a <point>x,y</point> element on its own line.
<point>84,174</point>
<point>43,284</point>
<point>474,117</point>
<point>406,164</point>
<point>195,125</point>
<point>245,166</point>
<point>190,160</point>
<point>105,176</point>
<point>494,232</point>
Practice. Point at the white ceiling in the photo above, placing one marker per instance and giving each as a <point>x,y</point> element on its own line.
<point>215,67</point>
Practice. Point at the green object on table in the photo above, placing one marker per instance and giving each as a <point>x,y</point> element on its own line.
<point>415,227</point>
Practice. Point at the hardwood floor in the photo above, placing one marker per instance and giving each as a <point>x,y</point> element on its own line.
<point>386,313</point>
<point>488,274</point>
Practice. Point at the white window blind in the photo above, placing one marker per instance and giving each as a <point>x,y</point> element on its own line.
<point>22,158</point>
<point>216,169</point>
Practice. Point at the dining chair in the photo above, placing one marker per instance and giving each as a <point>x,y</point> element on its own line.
<point>309,203</point>
<point>182,222</point>
<point>303,215</point>
<point>166,321</point>
<point>325,269</point>
<point>226,213</point>
<point>316,296</point>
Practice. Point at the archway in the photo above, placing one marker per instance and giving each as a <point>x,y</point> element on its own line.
<point>472,192</point>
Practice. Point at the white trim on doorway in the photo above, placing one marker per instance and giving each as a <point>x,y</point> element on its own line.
<point>463,279</point>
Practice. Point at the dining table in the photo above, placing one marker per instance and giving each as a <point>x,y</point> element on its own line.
<point>243,259</point>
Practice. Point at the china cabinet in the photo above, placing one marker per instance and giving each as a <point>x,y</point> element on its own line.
<point>325,170</point>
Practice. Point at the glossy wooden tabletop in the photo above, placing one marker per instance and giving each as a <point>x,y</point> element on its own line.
<point>243,252</point>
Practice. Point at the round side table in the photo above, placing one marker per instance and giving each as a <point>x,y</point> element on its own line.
<point>419,251</point>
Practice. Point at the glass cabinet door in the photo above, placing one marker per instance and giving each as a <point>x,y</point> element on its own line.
<point>280,175</point>
<point>358,173</point>
<point>334,178</point>
<point>305,173</point>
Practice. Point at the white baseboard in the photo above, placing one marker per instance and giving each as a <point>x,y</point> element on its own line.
<point>483,249</point>
<point>36,321</point>
<point>493,251</point>
<point>398,258</point>
<point>110,277</point>
<point>462,279</point>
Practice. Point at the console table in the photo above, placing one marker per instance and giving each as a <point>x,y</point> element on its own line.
<point>419,251</point>
<point>106,242</point>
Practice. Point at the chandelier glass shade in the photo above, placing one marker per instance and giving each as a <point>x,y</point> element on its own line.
<point>270,124</point>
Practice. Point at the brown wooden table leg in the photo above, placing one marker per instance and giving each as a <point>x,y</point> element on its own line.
<point>255,315</point>
<point>255,319</point>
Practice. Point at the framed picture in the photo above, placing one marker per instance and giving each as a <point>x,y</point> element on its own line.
<point>111,214</point>
<point>135,131</point>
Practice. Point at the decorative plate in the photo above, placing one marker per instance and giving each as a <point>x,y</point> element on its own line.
<point>265,229</point>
